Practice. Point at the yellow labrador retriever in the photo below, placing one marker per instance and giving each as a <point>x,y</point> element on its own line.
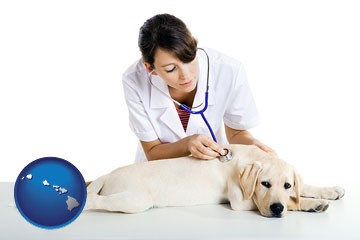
<point>252,180</point>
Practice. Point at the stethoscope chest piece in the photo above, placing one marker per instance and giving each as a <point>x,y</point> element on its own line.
<point>227,156</point>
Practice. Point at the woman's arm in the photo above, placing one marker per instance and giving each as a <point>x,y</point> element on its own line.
<point>198,145</point>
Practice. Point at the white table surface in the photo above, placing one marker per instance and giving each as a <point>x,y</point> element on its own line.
<point>340,221</point>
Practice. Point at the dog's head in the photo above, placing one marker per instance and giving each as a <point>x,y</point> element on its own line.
<point>272,184</point>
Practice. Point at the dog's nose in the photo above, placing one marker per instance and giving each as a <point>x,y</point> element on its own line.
<point>277,209</point>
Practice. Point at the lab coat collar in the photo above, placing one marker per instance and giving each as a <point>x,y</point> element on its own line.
<point>158,99</point>
<point>170,119</point>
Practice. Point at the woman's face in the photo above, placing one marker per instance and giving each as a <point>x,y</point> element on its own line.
<point>180,76</point>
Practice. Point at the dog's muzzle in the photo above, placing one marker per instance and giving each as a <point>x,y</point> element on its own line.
<point>226,157</point>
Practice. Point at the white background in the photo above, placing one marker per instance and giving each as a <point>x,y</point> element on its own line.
<point>61,64</point>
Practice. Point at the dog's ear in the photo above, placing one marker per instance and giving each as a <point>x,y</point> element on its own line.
<point>248,177</point>
<point>297,187</point>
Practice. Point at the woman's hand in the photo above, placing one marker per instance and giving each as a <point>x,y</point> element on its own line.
<point>203,147</point>
<point>264,147</point>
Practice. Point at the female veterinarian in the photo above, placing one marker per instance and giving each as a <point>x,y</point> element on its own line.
<point>183,99</point>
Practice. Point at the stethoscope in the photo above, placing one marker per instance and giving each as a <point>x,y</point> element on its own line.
<point>228,155</point>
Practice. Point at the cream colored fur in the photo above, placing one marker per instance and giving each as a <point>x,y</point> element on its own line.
<point>244,182</point>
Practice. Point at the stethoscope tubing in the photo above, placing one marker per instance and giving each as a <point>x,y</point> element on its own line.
<point>201,112</point>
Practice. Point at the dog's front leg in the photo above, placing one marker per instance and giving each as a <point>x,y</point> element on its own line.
<point>331,193</point>
<point>308,205</point>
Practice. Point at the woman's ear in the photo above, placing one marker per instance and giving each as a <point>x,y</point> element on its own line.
<point>149,68</point>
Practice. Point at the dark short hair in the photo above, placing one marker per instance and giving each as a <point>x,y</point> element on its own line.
<point>169,33</point>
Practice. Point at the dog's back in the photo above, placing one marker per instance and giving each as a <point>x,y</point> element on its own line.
<point>173,182</point>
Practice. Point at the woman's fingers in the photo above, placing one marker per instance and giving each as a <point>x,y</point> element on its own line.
<point>203,147</point>
<point>265,148</point>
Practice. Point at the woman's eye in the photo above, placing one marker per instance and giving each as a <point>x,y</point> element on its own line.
<point>170,70</point>
<point>266,184</point>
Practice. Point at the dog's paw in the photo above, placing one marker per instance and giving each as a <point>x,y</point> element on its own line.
<point>340,192</point>
<point>334,193</point>
<point>320,206</point>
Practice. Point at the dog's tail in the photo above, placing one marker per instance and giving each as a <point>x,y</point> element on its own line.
<point>96,186</point>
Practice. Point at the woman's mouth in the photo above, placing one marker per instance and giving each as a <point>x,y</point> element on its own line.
<point>186,84</point>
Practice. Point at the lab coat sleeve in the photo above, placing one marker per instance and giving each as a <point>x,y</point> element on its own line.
<point>138,118</point>
<point>241,112</point>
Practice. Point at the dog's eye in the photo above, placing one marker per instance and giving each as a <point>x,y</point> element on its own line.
<point>287,185</point>
<point>266,184</point>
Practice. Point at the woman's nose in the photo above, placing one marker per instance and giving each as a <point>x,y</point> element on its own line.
<point>184,72</point>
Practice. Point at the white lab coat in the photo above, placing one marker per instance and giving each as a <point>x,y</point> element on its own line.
<point>153,116</point>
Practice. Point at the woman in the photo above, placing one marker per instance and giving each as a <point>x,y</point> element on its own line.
<point>173,68</point>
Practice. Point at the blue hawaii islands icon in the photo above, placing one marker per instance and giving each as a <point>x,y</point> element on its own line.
<point>50,192</point>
